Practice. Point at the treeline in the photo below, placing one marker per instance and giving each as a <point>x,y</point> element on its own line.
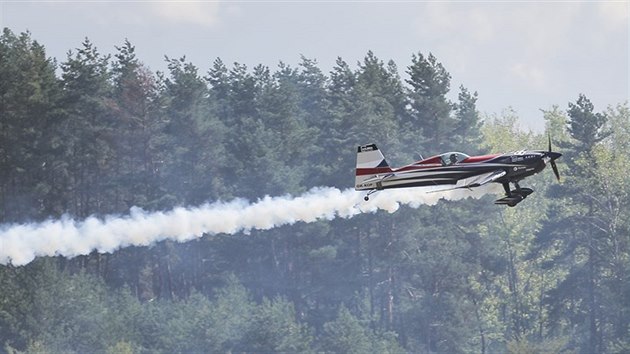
<point>98,134</point>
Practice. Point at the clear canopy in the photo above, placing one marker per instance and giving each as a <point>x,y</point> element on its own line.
<point>451,158</point>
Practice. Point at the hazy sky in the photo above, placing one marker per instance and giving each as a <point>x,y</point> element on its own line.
<point>526,55</point>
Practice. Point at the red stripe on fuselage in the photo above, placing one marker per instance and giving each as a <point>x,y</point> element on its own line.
<point>379,170</point>
<point>372,171</point>
<point>481,158</point>
<point>417,167</point>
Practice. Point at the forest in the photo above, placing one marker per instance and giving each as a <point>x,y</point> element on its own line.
<point>98,134</point>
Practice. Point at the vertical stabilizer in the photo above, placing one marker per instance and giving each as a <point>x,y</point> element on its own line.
<point>370,162</point>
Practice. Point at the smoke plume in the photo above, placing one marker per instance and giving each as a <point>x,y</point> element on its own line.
<point>20,244</point>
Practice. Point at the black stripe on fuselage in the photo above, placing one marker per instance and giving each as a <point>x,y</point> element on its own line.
<point>455,173</point>
<point>420,184</point>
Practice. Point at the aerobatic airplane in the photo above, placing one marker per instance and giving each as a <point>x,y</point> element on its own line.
<point>454,168</point>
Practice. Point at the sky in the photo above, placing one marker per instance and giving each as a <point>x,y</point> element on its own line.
<point>519,55</point>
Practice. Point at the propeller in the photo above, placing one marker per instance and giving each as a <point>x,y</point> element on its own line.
<point>552,158</point>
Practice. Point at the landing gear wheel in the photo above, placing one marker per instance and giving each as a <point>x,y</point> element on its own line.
<point>370,192</point>
<point>523,192</point>
<point>510,201</point>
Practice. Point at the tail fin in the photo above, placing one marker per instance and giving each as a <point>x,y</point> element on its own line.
<point>370,162</point>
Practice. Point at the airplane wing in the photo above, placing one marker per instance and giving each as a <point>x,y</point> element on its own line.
<point>477,181</point>
<point>485,178</point>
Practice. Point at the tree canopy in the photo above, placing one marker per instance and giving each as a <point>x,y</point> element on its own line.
<point>97,134</point>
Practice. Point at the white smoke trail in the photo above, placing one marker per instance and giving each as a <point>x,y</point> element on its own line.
<point>20,244</point>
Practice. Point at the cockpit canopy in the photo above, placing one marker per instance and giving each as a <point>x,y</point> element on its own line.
<point>451,158</point>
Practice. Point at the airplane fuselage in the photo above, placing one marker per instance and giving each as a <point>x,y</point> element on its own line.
<point>433,171</point>
<point>453,168</point>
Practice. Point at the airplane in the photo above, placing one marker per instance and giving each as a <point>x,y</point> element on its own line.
<point>373,173</point>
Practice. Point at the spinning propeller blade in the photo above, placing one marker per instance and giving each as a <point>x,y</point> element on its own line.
<point>553,156</point>
<point>555,170</point>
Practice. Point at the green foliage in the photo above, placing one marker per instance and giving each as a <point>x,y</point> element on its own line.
<point>121,348</point>
<point>430,110</point>
<point>555,346</point>
<point>347,334</point>
<point>60,311</point>
<point>584,125</point>
<point>275,329</point>
<point>29,97</point>
<point>467,132</point>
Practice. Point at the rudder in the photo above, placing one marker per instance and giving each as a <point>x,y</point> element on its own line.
<point>370,162</point>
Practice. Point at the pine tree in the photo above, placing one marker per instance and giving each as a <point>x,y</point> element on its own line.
<point>30,186</point>
<point>140,141</point>
<point>579,225</point>
<point>586,126</point>
<point>430,109</point>
<point>195,137</point>
<point>467,130</point>
<point>86,132</point>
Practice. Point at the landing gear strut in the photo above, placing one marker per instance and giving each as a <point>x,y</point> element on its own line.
<point>370,192</point>
<point>515,196</point>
